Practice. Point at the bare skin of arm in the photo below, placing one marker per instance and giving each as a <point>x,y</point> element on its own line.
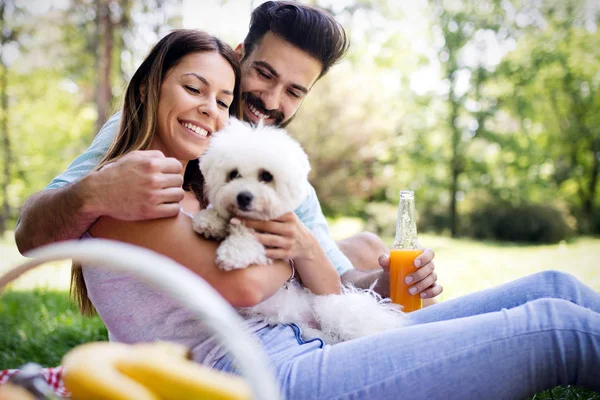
<point>175,238</point>
<point>141,185</point>
<point>69,217</point>
<point>287,237</point>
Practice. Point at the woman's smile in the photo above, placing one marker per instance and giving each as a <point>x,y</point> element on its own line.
<point>196,129</point>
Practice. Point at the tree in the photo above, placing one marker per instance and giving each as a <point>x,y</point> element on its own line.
<point>555,68</point>
<point>8,35</point>
<point>465,26</point>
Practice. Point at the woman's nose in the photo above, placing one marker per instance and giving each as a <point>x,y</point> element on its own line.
<point>209,108</point>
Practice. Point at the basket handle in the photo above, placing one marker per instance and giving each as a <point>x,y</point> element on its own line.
<point>181,284</point>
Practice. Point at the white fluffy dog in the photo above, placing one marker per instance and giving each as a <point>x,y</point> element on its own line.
<point>262,173</point>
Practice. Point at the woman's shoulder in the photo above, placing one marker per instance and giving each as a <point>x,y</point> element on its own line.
<point>151,229</point>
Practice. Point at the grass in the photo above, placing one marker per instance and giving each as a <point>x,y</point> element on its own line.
<point>37,323</point>
<point>41,326</point>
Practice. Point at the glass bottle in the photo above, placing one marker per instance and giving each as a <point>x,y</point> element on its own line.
<point>403,253</point>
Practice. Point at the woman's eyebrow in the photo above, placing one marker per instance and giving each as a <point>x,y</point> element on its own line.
<point>203,80</point>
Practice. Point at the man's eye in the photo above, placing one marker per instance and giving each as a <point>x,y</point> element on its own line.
<point>192,89</point>
<point>263,74</point>
<point>293,94</point>
<point>265,176</point>
<point>234,174</point>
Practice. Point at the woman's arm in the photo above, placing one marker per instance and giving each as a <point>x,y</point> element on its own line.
<point>175,238</point>
<point>287,237</point>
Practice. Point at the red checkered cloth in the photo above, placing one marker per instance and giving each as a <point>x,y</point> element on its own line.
<point>52,375</point>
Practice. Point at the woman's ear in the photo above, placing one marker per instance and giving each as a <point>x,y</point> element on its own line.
<point>239,50</point>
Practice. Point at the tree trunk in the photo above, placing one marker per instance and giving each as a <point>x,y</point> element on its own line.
<point>589,203</point>
<point>103,61</point>
<point>455,167</point>
<point>7,156</point>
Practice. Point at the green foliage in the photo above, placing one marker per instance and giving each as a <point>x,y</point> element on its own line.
<point>527,223</point>
<point>49,127</point>
<point>42,327</point>
<point>566,393</point>
<point>502,95</point>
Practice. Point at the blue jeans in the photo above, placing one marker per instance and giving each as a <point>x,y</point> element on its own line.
<point>507,342</point>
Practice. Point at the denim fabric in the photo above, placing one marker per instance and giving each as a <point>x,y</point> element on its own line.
<point>309,212</point>
<point>507,342</point>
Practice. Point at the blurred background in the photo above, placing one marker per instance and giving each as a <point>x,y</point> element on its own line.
<point>489,110</point>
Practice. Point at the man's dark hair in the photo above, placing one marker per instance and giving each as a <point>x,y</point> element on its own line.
<point>310,29</point>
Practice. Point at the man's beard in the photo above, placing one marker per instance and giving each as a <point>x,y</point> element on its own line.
<point>274,115</point>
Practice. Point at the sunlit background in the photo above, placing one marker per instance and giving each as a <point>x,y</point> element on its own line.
<point>489,110</point>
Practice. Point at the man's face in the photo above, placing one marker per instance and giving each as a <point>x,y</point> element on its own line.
<point>275,78</point>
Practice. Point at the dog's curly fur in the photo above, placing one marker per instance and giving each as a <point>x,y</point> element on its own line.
<point>262,173</point>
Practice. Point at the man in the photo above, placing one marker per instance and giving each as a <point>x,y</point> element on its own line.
<point>288,48</point>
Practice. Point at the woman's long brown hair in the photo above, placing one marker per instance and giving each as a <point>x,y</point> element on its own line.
<point>139,117</point>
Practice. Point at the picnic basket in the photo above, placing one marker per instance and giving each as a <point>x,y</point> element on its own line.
<point>181,285</point>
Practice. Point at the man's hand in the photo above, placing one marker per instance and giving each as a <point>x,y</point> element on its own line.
<point>141,185</point>
<point>423,280</point>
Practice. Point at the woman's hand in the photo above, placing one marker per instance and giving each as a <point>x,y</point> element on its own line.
<point>284,238</point>
<point>288,238</point>
<point>423,280</point>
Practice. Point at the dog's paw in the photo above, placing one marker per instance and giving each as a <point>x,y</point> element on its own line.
<point>240,251</point>
<point>210,224</point>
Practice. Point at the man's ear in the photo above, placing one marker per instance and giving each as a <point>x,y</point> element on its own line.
<point>239,50</point>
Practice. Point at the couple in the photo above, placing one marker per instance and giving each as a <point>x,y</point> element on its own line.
<point>506,342</point>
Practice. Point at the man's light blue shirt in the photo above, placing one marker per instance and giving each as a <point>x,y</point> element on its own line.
<point>309,212</point>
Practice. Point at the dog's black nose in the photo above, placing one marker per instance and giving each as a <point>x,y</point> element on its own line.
<point>244,199</point>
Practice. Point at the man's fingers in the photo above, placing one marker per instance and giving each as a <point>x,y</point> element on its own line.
<point>170,166</point>
<point>424,258</point>
<point>171,181</point>
<point>171,195</point>
<point>432,292</point>
<point>148,153</point>
<point>165,210</point>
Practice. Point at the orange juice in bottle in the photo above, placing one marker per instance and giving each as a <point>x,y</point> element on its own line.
<point>403,253</point>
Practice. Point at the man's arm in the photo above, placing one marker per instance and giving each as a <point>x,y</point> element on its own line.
<point>140,185</point>
<point>54,215</point>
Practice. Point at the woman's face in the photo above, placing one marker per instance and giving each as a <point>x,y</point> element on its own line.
<point>194,103</point>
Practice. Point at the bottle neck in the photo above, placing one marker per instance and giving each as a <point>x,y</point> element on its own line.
<point>406,224</point>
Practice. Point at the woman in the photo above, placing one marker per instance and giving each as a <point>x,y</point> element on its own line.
<point>183,92</point>
<point>507,342</point>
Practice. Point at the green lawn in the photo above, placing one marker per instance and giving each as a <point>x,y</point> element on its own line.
<point>37,323</point>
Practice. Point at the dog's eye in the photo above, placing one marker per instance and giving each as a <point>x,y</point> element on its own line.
<point>265,176</point>
<point>234,174</point>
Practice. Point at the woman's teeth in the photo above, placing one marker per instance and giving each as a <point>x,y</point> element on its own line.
<point>197,129</point>
<point>254,111</point>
